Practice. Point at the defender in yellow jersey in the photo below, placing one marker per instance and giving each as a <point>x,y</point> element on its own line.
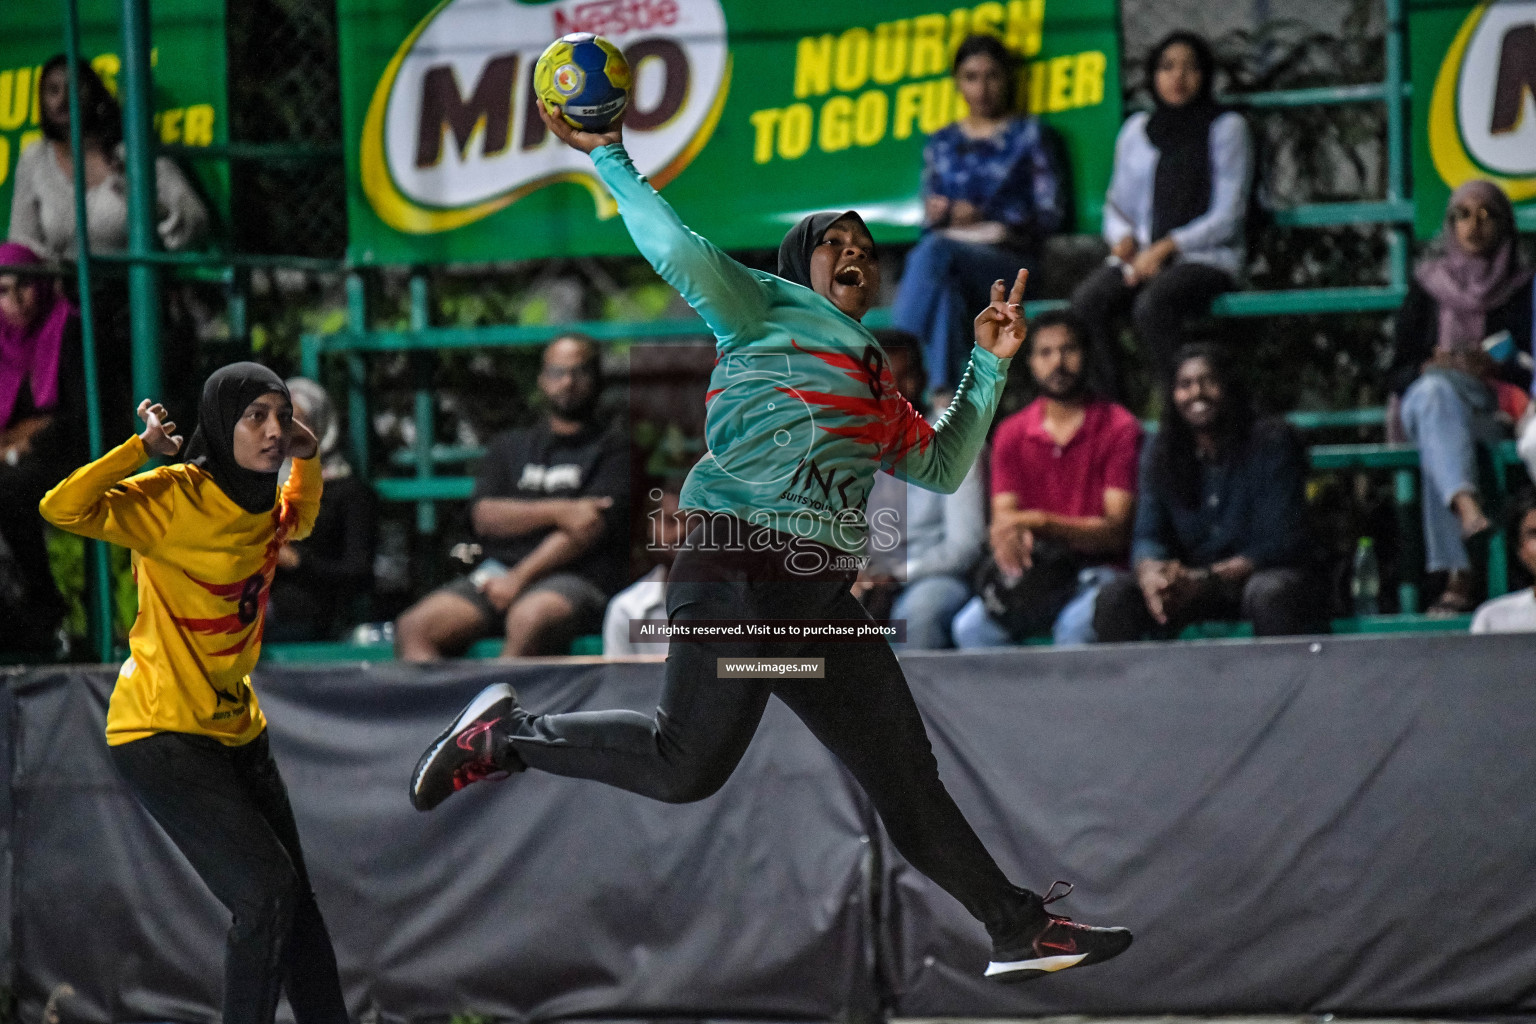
<point>184,726</point>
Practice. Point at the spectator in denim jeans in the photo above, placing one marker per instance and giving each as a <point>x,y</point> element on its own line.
<point>922,544</point>
<point>1063,470</point>
<point>1448,392</point>
<point>992,192</point>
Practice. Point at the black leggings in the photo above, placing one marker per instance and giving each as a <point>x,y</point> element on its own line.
<point>862,711</point>
<point>227,810</point>
<point>1159,310</point>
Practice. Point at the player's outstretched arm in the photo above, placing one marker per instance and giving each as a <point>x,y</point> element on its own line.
<point>95,501</point>
<point>941,463</point>
<point>726,294</point>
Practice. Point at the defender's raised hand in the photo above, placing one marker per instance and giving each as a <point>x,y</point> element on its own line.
<point>575,137</point>
<point>159,437</point>
<point>1000,327</point>
<point>302,443</point>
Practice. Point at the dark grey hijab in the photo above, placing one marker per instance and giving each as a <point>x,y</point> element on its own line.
<point>802,239</point>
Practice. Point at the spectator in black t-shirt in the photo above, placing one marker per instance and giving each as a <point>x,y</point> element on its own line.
<point>1221,524</point>
<point>549,510</point>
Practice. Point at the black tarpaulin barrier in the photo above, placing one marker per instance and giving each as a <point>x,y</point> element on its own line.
<point>1342,825</point>
<point>1346,830</point>
<point>529,899</point>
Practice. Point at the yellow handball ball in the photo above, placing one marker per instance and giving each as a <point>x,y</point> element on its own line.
<point>587,78</point>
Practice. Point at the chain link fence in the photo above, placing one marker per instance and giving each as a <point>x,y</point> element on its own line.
<point>284,88</point>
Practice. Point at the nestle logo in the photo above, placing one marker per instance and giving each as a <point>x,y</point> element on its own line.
<point>616,17</point>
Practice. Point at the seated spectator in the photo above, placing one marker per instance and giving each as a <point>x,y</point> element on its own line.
<point>992,191</point>
<point>549,511</point>
<point>1063,493</point>
<point>43,204</point>
<point>42,437</point>
<point>1515,613</point>
<point>1221,527</point>
<point>1448,393</point>
<point>924,576</point>
<point>645,600</point>
<point>1174,214</point>
<point>319,579</point>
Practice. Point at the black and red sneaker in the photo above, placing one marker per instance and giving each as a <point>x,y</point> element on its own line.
<point>1043,943</point>
<point>467,751</point>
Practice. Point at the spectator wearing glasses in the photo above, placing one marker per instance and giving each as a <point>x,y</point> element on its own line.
<point>550,513</point>
<point>1457,378</point>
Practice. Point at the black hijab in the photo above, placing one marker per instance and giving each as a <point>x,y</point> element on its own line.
<point>1181,188</point>
<point>226,395</point>
<point>802,239</point>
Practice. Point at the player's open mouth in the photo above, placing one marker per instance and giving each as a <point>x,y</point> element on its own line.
<point>850,277</point>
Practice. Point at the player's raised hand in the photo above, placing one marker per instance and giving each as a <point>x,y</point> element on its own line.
<point>159,437</point>
<point>1000,327</point>
<point>301,441</point>
<point>575,137</point>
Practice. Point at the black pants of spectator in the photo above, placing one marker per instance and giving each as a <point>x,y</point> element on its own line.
<point>227,810</point>
<point>1279,602</point>
<point>862,711</point>
<point>29,601</point>
<point>1159,310</point>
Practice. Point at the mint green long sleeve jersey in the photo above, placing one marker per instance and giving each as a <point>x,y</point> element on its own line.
<point>802,410</point>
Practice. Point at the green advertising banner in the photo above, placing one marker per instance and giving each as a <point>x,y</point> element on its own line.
<point>1474,102</point>
<point>188,64</point>
<point>748,114</point>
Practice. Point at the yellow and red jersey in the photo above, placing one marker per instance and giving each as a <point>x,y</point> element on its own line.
<point>204,568</point>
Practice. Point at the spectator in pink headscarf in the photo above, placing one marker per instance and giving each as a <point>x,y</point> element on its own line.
<point>42,413</point>
<point>1458,376</point>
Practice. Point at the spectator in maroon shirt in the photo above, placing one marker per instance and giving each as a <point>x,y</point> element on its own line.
<point>1063,488</point>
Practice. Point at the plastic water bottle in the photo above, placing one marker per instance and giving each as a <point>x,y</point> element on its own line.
<point>1365,585</point>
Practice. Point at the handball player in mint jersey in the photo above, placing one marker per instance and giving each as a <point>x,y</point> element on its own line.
<point>802,412</point>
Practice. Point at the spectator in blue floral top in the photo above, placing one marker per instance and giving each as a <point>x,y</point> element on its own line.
<point>992,191</point>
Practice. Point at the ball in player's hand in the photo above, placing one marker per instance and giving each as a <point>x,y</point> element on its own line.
<point>587,78</point>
